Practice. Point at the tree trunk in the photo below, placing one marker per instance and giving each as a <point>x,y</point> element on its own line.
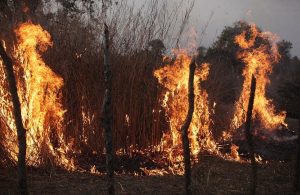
<point>22,182</point>
<point>185,127</point>
<point>107,115</point>
<point>249,135</point>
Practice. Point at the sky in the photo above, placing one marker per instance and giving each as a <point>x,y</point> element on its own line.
<point>278,16</point>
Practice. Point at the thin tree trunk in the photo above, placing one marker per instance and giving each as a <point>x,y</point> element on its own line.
<point>22,182</point>
<point>185,127</point>
<point>107,115</point>
<point>297,170</point>
<point>249,135</point>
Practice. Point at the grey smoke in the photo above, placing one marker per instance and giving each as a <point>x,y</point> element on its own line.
<point>278,16</point>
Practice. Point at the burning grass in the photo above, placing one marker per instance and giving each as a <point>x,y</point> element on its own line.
<point>174,77</point>
<point>259,53</point>
<point>39,92</point>
<point>150,102</point>
<point>50,141</point>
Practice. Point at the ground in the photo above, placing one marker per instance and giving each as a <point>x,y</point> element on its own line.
<point>211,176</point>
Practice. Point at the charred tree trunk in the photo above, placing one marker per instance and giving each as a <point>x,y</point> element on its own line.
<point>107,115</point>
<point>249,135</point>
<point>297,170</point>
<point>22,182</point>
<point>185,127</point>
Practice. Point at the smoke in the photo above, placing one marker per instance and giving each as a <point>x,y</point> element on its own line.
<point>278,16</point>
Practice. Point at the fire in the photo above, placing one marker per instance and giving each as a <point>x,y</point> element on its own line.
<point>174,77</point>
<point>234,152</point>
<point>258,61</point>
<point>39,90</point>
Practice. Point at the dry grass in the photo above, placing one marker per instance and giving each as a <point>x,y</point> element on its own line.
<point>217,176</point>
<point>77,57</point>
<point>135,92</point>
<point>212,176</point>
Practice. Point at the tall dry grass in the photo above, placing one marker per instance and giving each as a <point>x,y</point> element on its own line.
<point>138,118</point>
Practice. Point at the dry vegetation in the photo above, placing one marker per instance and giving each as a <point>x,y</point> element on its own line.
<point>212,176</point>
<point>140,38</point>
<point>77,56</point>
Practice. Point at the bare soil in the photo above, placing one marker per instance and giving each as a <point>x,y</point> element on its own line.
<point>211,176</point>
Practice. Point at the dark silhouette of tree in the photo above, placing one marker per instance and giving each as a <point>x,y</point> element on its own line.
<point>201,54</point>
<point>286,74</point>
<point>155,51</point>
<point>284,49</point>
<point>157,47</point>
<point>284,64</point>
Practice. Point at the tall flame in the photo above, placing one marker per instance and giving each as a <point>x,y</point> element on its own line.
<point>174,77</point>
<point>39,90</point>
<point>258,61</point>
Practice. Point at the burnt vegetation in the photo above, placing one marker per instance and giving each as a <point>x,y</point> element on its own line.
<point>112,102</point>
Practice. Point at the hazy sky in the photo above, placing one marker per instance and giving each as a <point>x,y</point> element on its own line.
<point>278,16</point>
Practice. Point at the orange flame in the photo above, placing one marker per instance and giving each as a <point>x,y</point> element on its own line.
<point>258,61</point>
<point>234,152</point>
<point>174,77</point>
<point>39,90</point>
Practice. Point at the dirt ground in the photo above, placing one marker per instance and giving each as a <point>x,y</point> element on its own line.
<point>217,176</point>
<point>80,183</point>
<point>212,176</point>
